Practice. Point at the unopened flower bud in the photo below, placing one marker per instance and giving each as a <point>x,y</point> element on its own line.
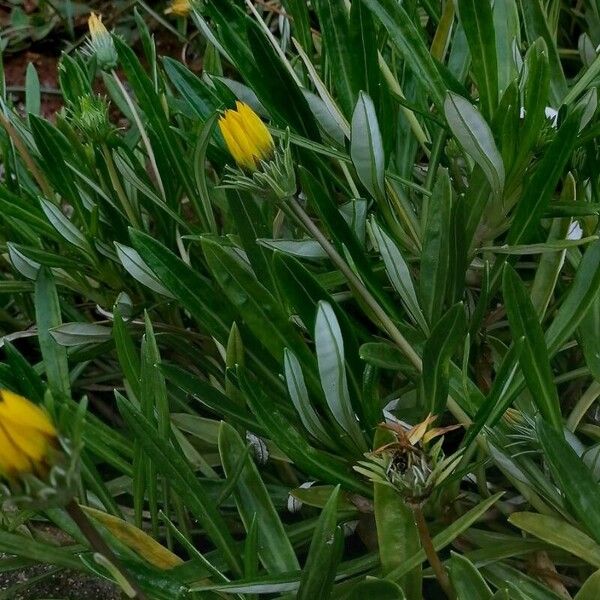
<point>101,44</point>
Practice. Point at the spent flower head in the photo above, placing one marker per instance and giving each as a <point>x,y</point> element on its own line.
<point>100,44</point>
<point>409,464</point>
<point>262,168</point>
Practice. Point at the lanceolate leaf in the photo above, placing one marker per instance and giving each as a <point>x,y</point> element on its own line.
<point>466,579</point>
<point>333,18</point>
<point>323,554</point>
<point>170,463</point>
<point>408,39</point>
<point>436,358</point>
<point>475,136</point>
<point>534,357</point>
<point>573,477</point>
<point>253,501</point>
<point>435,256</point>
<point>366,147</point>
<point>399,274</point>
<point>48,316</point>
<point>476,18</point>
<point>332,368</point>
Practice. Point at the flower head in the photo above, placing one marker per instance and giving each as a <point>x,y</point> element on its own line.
<point>408,464</point>
<point>179,8</point>
<point>101,44</point>
<point>247,137</point>
<point>27,436</point>
<point>90,115</point>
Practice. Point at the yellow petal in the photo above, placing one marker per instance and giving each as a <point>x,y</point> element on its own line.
<point>30,442</point>
<point>11,460</point>
<point>232,143</point>
<point>96,26</point>
<point>256,130</point>
<point>238,130</point>
<point>20,411</point>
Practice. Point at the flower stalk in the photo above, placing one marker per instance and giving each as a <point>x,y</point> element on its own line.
<point>430,552</point>
<point>301,216</point>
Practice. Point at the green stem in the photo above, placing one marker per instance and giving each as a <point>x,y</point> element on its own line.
<point>356,283</point>
<point>292,205</point>
<point>143,134</point>
<point>99,545</point>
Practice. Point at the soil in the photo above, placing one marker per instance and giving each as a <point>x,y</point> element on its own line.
<point>63,585</point>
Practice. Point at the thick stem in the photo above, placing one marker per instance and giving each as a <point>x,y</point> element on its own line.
<point>99,545</point>
<point>432,556</point>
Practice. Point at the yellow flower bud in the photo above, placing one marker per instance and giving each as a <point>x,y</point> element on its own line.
<point>96,27</point>
<point>246,136</point>
<point>27,436</point>
<point>101,44</point>
<point>179,8</point>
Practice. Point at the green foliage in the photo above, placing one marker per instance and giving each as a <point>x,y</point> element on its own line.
<point>420,310</point>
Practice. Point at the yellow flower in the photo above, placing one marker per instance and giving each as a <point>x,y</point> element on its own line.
<point>246,136</point>
<point>179,8</point>
<point>27,436</point>
<point>96,27</point>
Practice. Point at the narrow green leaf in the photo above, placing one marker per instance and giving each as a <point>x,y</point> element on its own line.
<point>466,579</point>
<point>435,255</point>
<point>366,147</point>
<point>332,368</point>
<point>508,35</point>
<point>333,17</point>
<point>173,466</point>
<point>33,99</point>
<point>399,274</point>
<point>437,353</point>
<point>410,42</point>
<point>534,359</point>
<point>253,501</point>
<point>48,316</point>
<point>475,136</point>
<point>477,20</point>
<point>301,400</point>
<point>574,478</point>
<point>559,533</point>
<point>536,26</point>
<point>317,577</point>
